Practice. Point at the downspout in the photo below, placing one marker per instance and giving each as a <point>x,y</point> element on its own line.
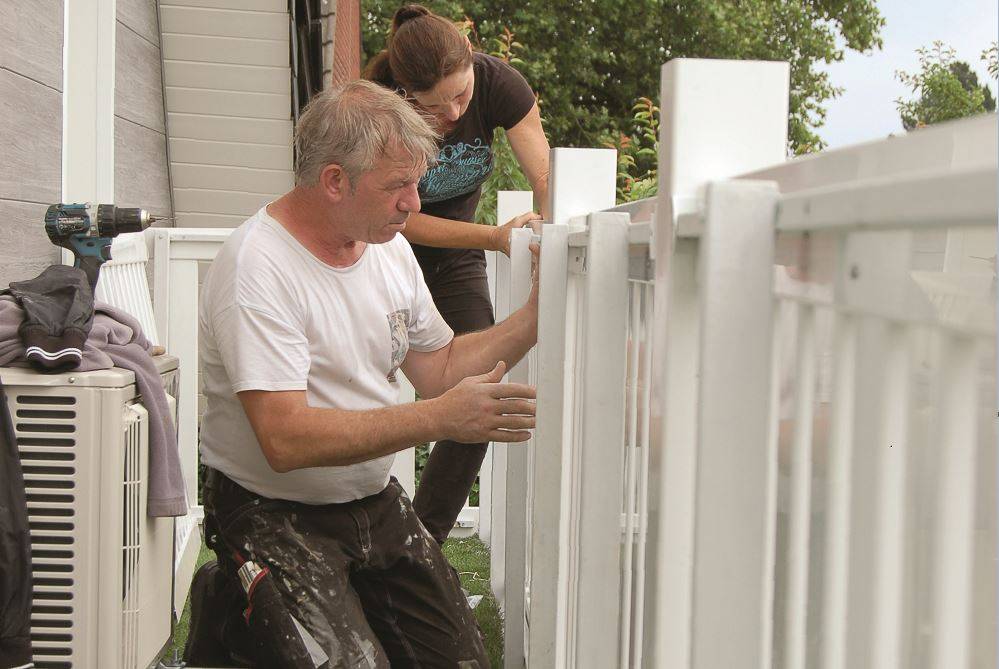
<point>166,117</point>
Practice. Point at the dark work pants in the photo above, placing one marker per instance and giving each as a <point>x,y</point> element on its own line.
<point>461,292</point>
<point>363,578</point>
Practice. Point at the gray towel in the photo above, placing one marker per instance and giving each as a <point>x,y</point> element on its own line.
<point>116,340</point>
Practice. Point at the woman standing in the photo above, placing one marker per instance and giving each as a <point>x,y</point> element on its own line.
<point>468,95</point>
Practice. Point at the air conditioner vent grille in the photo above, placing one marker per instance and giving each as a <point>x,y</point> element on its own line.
<point>46,413</point>
<point>62,400</point>
<point>53,568</point>
<point>46,430</point>
<point>28,456</point>
<point>46,427</point>
<point>51,539</point>
<point>131,533</point>
<point>39,525</point>
<point>51,622</point>
<point>47,470</point>
<point>59,484</point>
<point>49,511</point>
<point>54,595</point>
<point>45,441</point>
<point>49,498</point>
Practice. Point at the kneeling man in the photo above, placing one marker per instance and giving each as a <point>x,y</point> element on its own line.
<point>309,311</point>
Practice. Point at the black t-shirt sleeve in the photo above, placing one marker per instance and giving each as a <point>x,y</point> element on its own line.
<point>508,95</point>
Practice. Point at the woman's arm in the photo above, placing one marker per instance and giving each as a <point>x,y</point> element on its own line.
<point>529,144</point>
<point>448,234</point>
<point>445,233</point>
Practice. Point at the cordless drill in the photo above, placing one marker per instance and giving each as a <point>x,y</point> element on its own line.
<point>88,233</point>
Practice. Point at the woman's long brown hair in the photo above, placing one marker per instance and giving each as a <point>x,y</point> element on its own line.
<point>422,49</point>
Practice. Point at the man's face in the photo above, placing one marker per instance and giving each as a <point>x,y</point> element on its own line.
<point>384,197</point>
<point>448,100</point>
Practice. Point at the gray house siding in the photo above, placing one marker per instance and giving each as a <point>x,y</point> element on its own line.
<point>140,145</point>
<point>31,42</point>
<point>228,94</point>
<point>31,123</point>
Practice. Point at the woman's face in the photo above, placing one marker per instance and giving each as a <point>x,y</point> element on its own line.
<point>448,99</point>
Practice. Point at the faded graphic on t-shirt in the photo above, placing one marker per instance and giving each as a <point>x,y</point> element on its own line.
<point>460,169</point>
<point>398,322</point>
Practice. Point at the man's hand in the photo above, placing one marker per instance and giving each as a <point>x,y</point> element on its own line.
<point>501,234</point>
<point>480,409</point>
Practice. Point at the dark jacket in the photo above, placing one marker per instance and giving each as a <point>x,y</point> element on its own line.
<point>15,551</point>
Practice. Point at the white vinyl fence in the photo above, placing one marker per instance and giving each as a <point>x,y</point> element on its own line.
<point>766,428</point>
<point>766,400</point>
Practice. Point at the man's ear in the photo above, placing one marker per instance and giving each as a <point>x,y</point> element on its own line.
<point>334,182</point>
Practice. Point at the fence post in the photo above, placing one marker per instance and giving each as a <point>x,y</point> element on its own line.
<point>517,472</point>
<point>582,181</point>
<point>508,205</point>
<point>404,465</point>
<point>597,558</point>
<point>700,140</point>
<point>486,471</point>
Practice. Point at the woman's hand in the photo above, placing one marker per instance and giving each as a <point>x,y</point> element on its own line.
<point>500,235</point>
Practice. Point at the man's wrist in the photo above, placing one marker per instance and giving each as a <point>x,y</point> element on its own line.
<point>432,417</point>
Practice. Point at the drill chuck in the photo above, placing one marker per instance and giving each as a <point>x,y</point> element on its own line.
<point>113,221</point>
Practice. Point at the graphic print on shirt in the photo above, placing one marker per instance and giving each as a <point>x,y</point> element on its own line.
<point>398,322</point>
<point>460,169</point>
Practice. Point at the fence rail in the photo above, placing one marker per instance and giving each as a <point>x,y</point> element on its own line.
<point>765,401</point>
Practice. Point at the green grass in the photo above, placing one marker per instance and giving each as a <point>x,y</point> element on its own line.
<point>470,558</point>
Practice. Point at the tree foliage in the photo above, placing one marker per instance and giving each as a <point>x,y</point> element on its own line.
<point>591,60</point>
<point>946,88</point>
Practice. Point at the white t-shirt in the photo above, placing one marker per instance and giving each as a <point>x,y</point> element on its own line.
<point>275,317</point>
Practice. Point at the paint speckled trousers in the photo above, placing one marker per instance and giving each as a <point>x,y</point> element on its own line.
<point>364,578</point>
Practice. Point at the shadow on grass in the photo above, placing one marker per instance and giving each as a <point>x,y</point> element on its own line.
<point>470,558</point>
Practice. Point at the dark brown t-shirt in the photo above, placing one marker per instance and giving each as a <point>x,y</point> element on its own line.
<point>501,98</point>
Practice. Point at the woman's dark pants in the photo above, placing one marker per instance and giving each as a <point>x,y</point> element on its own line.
<point>461,292</point>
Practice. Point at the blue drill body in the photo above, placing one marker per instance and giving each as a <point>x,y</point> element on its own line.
<point>88,236</point>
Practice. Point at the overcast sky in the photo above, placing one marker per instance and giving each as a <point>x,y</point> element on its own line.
<point>866,110</point>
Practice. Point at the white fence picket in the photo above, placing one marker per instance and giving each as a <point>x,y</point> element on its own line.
<point>597,597</point>
<point>517,466</point>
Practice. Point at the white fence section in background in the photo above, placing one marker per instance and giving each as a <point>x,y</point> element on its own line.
<point>766,410</point>
<point>509,205</point>
<point>123,284</point>
<point>179,257</point>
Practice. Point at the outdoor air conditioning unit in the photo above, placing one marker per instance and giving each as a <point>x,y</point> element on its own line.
<point>101,569</point>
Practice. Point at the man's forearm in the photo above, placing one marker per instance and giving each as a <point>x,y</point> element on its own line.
<point>478,352</point>
<point>321,437</point>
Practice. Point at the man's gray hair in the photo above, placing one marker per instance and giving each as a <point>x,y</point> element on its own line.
<point>353,126</point>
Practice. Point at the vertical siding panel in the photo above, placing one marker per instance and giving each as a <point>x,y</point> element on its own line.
<point>31,44</point>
